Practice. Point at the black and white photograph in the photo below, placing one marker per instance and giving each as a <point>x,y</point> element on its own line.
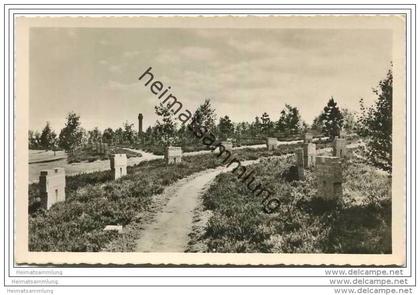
<point>215,136</point>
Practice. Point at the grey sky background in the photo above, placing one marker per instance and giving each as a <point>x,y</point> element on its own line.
<point>94,72</point>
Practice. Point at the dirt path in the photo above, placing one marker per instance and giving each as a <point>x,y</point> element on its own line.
<point>169,230</point>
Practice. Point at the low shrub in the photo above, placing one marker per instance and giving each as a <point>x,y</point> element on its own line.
<point>90,155</point>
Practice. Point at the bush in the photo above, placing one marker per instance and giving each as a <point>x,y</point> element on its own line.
<point>89,155</point>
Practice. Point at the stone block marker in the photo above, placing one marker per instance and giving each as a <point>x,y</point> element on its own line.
<point>339,147</point>
<point>271,143</point>
<point>329,176</point>
<point>228,145</point>
<point>52,184</point>
<point>300,163</point>
<point>173,155</point>
<point>307,138</point>
<point>309,155</point>
<point>118,228</point>
<point>118,165</point>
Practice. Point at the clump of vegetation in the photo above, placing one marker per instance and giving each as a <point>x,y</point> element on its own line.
<point>376,126</point>
<point>84,155</point>
<point>303,223</point>
<point>153,148</point>
<point>90,155</point>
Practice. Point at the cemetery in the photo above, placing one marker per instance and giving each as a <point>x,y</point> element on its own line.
<point>96,200</point>
<point>326,191</point>
<point>302,203</point>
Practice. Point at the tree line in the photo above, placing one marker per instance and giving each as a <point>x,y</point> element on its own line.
<point>373,123</point>
<point>73,135</point>
<point>329,123</point>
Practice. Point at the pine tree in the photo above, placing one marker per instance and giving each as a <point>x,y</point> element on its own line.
<point>48,137</point>
<point>332,119</point>
<point>290,121</point>
<point>205,116</point>
<point>266,125</point>
<point>225,128</point>
<point>166,126</point>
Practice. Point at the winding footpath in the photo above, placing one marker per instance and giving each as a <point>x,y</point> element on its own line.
<point>169,230</point>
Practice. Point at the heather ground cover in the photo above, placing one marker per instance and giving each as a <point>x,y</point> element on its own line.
<point>361,223</point>
<point>94,200</point>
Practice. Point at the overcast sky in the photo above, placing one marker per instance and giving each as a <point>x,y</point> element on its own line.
<point>94,72</point>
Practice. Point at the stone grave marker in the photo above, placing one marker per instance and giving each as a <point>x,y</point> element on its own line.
<point>271,143</point>
<point>173,155</point>
<point>300,163</point>
<point>118,165</point>
<point>52,184</point>
<point>339,147</point>
<point>307,137</point>
<point>309,154</point>
<point>329,176</point>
